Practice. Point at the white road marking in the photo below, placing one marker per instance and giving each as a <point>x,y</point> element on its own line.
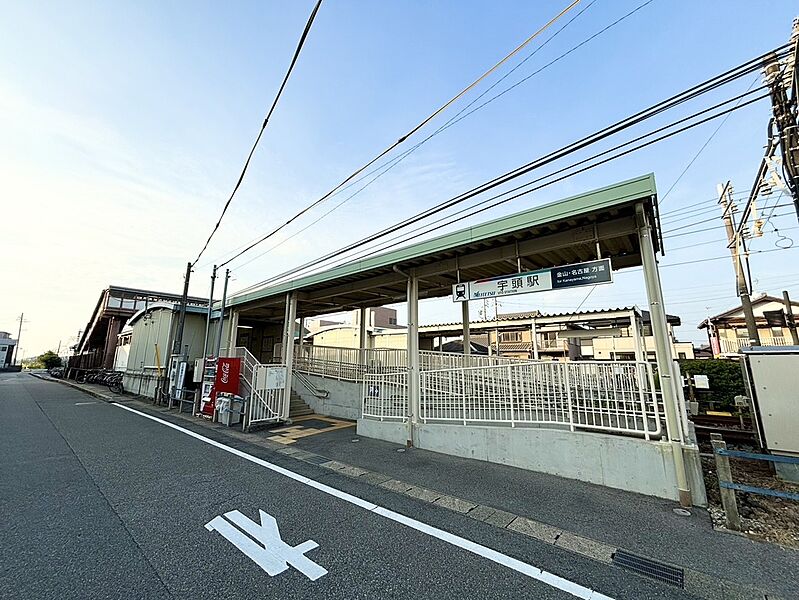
<point>275,555</point>
<point>524,568</point>
<point>84,403</point>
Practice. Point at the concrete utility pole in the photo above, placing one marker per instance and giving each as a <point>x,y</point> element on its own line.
<point>178,348</point>
<point>19,335</point>
<point>786,299</point>
<point>208,316</point>
<point>742,287</point>
<point>222,315</point>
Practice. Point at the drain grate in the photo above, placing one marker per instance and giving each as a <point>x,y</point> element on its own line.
<point>651,568</point>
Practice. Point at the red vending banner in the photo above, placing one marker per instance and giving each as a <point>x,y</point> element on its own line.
<point>227,380</point>
<point>227,375</point>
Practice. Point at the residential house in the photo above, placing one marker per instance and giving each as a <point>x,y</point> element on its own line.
<point>727,331</point>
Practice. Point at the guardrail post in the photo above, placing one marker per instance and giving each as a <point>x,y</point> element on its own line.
<point>731,516</point>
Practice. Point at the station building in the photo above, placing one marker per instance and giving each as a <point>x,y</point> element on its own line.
<point>616,423</point>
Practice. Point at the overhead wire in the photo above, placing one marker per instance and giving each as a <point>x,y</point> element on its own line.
<point>411,132</point>
<point>686,95</point>
<point>676,100</point>
<point>387,166</point>
<point>436,224</point>
<point>701,149</point>
<point>293,62</point>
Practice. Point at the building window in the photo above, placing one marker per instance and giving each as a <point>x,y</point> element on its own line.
<point>3,348</point>
<point>392,320</point>
<point>511,336</point>
<point>742,334</point>
<point>681,355</point>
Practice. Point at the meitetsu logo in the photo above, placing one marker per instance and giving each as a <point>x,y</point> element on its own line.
<point>225,372</point>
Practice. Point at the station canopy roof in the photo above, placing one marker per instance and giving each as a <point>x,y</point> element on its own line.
<point>555,234</point>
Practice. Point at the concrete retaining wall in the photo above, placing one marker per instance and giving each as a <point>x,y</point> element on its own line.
<point>624,463</point>
<point>344,401</point>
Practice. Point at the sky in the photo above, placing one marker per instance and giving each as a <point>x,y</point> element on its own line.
<point>123,127</point>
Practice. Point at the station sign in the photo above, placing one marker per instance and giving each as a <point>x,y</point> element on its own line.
<point>557,278</point>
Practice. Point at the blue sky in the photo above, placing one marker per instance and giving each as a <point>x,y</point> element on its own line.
<point>123,128</point>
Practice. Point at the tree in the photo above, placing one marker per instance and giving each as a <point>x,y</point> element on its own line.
<point>50,359</point>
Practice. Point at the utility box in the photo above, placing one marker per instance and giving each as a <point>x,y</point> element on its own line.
<point>770,373</point>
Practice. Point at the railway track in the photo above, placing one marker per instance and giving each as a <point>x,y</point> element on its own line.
<point>728,426</point>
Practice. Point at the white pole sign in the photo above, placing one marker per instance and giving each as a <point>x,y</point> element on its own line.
<point>262,543</point>
<point>567,276</point>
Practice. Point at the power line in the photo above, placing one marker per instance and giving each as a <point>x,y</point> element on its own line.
<point>388,165</point>
<point>294,58</point>
<point>435,224</point>
<point>730,75</point>
<point>702,149</point>
<point>712,229</point>
<point>412,131</point>
<point>675,100</point>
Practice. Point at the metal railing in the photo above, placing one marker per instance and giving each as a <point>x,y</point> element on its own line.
<point>265,405</point>
<point>350,364</point>
<point>618,397</point>
<point>385,395</point>
<point>733,345</point>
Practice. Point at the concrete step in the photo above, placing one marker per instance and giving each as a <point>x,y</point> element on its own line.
<point>300,413</point>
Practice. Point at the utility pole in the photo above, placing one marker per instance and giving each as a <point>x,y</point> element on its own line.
<point>782,79</point>
<point>742,287</point>
<point>222,316</point>
<point>208,316</point>
<point>19,335</point>
<point>178,348</point>
<point>786,299</point>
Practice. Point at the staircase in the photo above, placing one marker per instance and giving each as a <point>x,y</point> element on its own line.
<point>297,406</point>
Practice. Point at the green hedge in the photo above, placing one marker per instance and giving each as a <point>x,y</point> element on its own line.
<point>725,377</point>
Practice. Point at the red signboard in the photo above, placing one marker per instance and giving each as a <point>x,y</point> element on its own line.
<point>227,380</point>
<point>227,375</point>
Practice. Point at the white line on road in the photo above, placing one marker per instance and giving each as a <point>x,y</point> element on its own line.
<point>84,403</point>
<point>493,555</point>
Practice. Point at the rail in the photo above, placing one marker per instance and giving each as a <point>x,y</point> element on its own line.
<point>265,405</point>
<point>385,395</point>
<point>734,345</point>
<point>350,364</point>
<point>616,397</point>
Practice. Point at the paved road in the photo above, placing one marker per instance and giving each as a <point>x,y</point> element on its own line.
<point>99,501</point>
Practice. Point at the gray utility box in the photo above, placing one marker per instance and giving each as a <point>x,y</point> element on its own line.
<point>771,374</point>
<point>228,409</point>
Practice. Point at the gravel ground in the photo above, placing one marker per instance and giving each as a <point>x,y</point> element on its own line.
<point>763,517</point>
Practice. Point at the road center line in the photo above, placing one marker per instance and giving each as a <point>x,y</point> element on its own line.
<point>493,555</point>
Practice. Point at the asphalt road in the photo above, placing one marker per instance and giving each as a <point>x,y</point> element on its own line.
<point>99,501</point>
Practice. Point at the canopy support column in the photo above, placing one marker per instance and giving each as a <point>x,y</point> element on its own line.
<point>663,352</point>
<point>467,334</point>
<point>289,325</point>
<point>413,355</point>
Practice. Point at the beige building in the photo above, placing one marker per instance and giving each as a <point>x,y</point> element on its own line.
<point>382,330</point>
<point>727,331</point>
<point>591,335</point>
<point>608,334</point>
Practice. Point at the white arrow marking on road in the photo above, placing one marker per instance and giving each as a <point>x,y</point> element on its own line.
<point>275,555</point>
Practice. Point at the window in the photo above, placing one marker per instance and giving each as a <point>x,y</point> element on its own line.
<point>3,348</point>
<point>392,320</point>
<point>681,355</point>
<point>742,334</point>
<point>511,336</point>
